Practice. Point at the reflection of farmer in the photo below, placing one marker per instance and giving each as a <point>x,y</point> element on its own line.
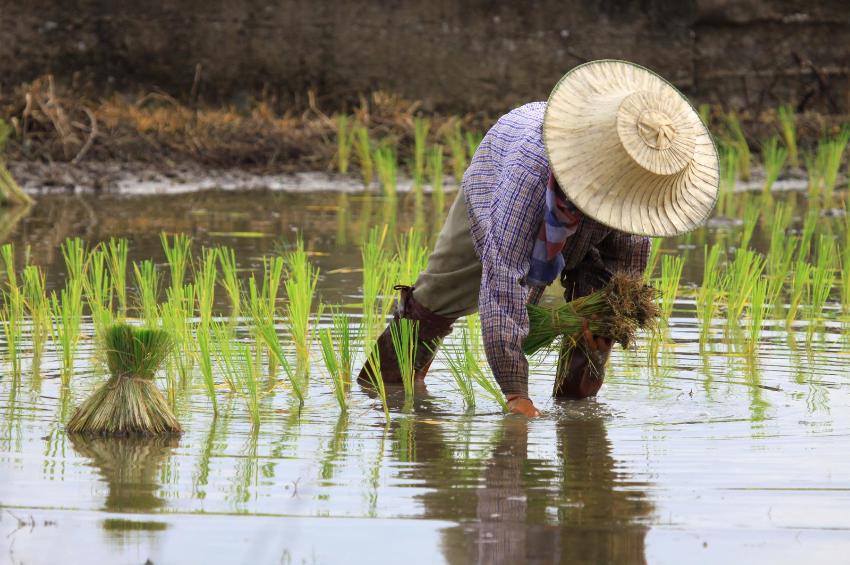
<point>569,188</point>
<point>523,510</point>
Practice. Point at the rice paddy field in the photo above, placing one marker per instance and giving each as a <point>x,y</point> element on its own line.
<point>721,437</point>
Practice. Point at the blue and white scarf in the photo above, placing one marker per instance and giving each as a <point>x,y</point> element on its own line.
<point>561,219</point>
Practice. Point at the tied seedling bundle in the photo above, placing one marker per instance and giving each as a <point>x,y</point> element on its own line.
<point>129,403</point>
<point>617,311</point>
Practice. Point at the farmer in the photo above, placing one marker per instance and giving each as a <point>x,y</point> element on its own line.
<point>570,189</point>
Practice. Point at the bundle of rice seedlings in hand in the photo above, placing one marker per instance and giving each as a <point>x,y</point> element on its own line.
<point>617,311</point>
<point>129,403</point>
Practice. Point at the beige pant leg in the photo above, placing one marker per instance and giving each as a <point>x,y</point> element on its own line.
<point>450,284</point>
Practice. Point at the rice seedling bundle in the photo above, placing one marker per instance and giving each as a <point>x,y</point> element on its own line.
<point>386,164</point>
<point>405,336</point>
<point>300,287</point>
<point>129,403</point>
<point>788,127</point>
<point>116,259</point>
<point>178,253</point>
<point>147,286</point>
<point>617,311</point>
<point>742,148</point>
<point>344,142</point>
<point>363,149</point>
<point>774,157</point>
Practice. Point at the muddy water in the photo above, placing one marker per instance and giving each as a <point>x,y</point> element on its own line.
<point>703,457</point>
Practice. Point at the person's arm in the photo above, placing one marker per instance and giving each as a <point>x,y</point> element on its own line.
<point>515,217</point>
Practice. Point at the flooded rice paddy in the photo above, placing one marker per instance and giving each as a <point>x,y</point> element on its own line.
<point>704,455</point>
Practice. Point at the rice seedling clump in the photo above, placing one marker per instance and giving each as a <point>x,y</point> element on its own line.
<point>617,311</point>
<point>129,403</point>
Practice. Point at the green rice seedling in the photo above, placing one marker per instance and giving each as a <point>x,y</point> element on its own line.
<point>799,284</point>
<point>708,294</point>
<point>337,356</point>
<point>12,313</point>
<point>242,373</point>
<point>116,254</point>
<point>774,157</point>
<point>844,263</point>
<point>386,164</point>
<point>757,311</point>
<point>372,367</point>
<point>178,252</point>
<point>205,279</point>
<point>205,364</point>
<point>728,174</point>
<point>741,275</point>
<point>484,380</point>
<point>300,287</point>
<point>473,140</point>
<point>807,233</point>
<point>129,402</point>
<point>436,177</point>
<point>412,257</point>
<point>98,289</point>
<point>344,143</point>
<point>655,244</point>
<point>742,148</point>
<point>67,312</point>
<point>781,246</point>
<point>265,331</point>
<point>813,162</point>
<point>147,287</point>
<point>75,253</point>
<point>420,140</point>
<point>457,150</point>
<point>177,314</point>
<point>458,361</point>
<point>405,335</point>
<point>751,218</point>
<point>230,279</point>
<point>671,274</point>
<point>363,149</point>
<point>375,276</point>
<point>822,280</point>
<point>224,346</point>
<point>38,309</point>
<point>830,154</point>
<point>788,127</point>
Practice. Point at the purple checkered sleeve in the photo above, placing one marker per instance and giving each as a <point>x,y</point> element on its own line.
<point>504,188</point>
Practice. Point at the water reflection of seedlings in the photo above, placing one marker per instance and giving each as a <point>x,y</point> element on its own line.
<point>404,444</point>
<point>337,447</point>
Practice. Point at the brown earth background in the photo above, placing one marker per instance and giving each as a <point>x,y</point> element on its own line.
<point>455,57</point>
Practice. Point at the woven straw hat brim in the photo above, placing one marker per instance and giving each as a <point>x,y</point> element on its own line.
<point>629,150</point>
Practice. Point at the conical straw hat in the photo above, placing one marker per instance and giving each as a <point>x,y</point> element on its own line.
<point>629,150</point>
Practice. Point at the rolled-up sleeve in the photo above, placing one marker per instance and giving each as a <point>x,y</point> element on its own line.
<point>515,216</point>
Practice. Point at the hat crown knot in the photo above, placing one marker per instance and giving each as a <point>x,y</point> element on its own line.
<point>656,129</point>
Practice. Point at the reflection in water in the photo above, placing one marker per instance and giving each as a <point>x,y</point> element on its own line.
<point>583,510</point>
<point>129,466</point>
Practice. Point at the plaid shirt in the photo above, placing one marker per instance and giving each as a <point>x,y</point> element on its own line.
<point>505,188</point>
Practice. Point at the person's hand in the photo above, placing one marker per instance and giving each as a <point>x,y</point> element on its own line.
<point>595,343</point>
<point>521,405</point>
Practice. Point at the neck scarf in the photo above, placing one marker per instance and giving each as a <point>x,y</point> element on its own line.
<point>561,219</point>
